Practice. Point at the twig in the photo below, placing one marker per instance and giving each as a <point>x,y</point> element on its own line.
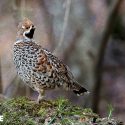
<point>90,115</point>
<point>22,9</point>
<point>66,17</point>
<point>104,42</point>
<point>47,26</point>
<point>19,10</point>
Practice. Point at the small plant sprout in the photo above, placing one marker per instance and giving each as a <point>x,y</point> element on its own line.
<point>110,110</point>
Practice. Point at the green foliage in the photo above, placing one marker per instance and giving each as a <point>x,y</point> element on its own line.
<point>22,111</point>
<point>110,111</point>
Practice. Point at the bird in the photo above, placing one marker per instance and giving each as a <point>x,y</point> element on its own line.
<point>39,68</point>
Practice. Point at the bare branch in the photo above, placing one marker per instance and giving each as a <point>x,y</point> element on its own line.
<point>66,17</point>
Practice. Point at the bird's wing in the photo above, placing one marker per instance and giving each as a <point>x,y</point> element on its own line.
<point>50,72</point>
<point>49,69</point>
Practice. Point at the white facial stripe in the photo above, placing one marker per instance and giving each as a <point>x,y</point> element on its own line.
<point>23,27</point>
<point>27,32</point>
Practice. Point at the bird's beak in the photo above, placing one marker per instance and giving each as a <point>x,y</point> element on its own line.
<point>34,28</point>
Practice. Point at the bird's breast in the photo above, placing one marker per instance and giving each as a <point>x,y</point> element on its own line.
<point>24,59</point>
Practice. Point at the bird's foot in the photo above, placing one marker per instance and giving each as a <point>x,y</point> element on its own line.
<point>40,99</point>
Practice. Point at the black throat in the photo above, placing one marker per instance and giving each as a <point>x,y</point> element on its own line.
<point>30,34</point>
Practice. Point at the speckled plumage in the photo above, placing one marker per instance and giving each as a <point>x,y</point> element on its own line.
<point>39,68</point>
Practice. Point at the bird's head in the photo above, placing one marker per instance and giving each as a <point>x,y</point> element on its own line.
<point>26,29</point>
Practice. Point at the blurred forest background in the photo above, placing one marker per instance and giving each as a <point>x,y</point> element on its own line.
<point>88,35</point>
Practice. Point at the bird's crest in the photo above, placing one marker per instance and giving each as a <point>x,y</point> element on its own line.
<point>26,23</point>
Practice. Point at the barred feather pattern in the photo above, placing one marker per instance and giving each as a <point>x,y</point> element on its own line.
<point>39,68</point>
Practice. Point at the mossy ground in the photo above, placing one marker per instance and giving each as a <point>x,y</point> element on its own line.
<point>22,111</point>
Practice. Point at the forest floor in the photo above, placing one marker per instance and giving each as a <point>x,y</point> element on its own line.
<point>23,111</point>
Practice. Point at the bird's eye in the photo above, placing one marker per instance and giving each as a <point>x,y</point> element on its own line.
<point>27,27</point>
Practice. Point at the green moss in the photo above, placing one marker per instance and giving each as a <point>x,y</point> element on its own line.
<point>42,111</point>
<point>22,111</point>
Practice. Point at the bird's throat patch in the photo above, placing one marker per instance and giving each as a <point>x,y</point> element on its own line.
<point>30,34</point>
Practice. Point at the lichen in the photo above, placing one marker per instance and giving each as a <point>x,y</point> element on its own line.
<point>23,111</point>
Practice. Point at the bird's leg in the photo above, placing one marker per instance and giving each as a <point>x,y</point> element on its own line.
<point>40,96</point>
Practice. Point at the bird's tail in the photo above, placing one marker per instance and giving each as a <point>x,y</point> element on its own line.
<point>79,90</point>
